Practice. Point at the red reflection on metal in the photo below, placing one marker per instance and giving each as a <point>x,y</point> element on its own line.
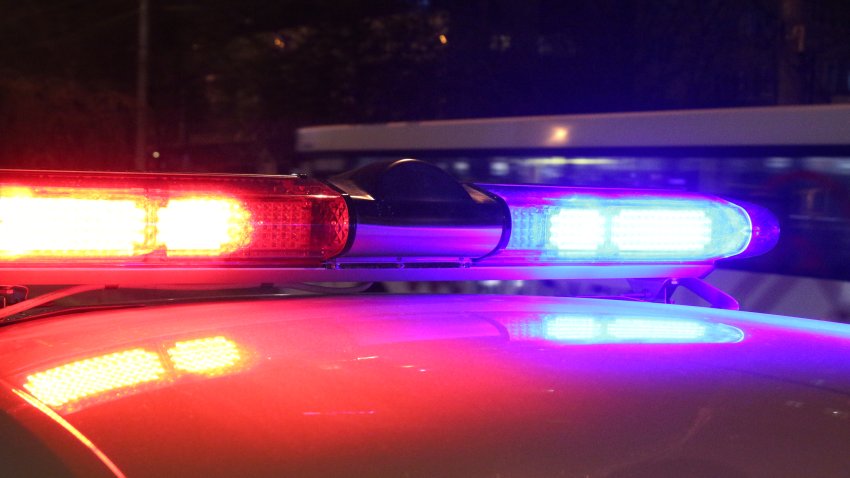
<point>73,385</point>
<point>207,356</point>
<point>82,379</point>
<point>452,392</point>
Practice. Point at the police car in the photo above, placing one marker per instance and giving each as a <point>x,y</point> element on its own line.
<point>347,384</point>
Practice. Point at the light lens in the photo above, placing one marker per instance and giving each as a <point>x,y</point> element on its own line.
<point>203,226</point>
<point>577,230</point>
<point>160,220</point>
<point>551,224</point>
<point>687,230</point>
<point>92,223</point>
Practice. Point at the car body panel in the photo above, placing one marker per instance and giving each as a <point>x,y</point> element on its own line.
<point>441,386</point>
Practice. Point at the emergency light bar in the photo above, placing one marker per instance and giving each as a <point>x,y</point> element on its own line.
<point>406,220</point>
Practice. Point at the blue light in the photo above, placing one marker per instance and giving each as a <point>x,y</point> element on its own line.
<point>553,224</point>
<point>684,230</point>
<point>577,229</point>
<point>605,329</point>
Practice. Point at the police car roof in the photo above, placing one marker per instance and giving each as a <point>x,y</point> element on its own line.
<point>438,385</point>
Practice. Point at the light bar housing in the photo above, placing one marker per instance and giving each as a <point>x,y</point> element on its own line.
<point>403,220</point>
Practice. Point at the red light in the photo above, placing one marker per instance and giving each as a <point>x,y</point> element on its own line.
<point>203,226</point>
<point>67,223</point>
<point>168,219</point>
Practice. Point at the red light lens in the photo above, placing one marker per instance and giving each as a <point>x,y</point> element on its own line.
<point>203,226</point>
<point>71,223</point>
<point>169,219</point>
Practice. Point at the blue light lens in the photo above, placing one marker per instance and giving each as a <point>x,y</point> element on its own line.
<point>583,329</point>
<point>552,224</point>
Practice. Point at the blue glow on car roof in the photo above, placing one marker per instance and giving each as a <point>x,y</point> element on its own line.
<point>613,329</point>
<point>738,318</point>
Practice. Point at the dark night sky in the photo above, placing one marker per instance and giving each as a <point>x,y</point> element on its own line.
<point>249,72</point>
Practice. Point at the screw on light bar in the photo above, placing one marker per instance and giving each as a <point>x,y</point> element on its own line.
<point>605,329</point>
<point>554,224</point>
<point>147,219</point>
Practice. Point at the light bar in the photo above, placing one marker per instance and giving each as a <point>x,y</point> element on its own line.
<point>388,221</point>
<point>554,224</point>
<point>605,329</point>
<point>146,219</point>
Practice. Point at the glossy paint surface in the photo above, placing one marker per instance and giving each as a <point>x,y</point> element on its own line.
<point>441,386</point>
